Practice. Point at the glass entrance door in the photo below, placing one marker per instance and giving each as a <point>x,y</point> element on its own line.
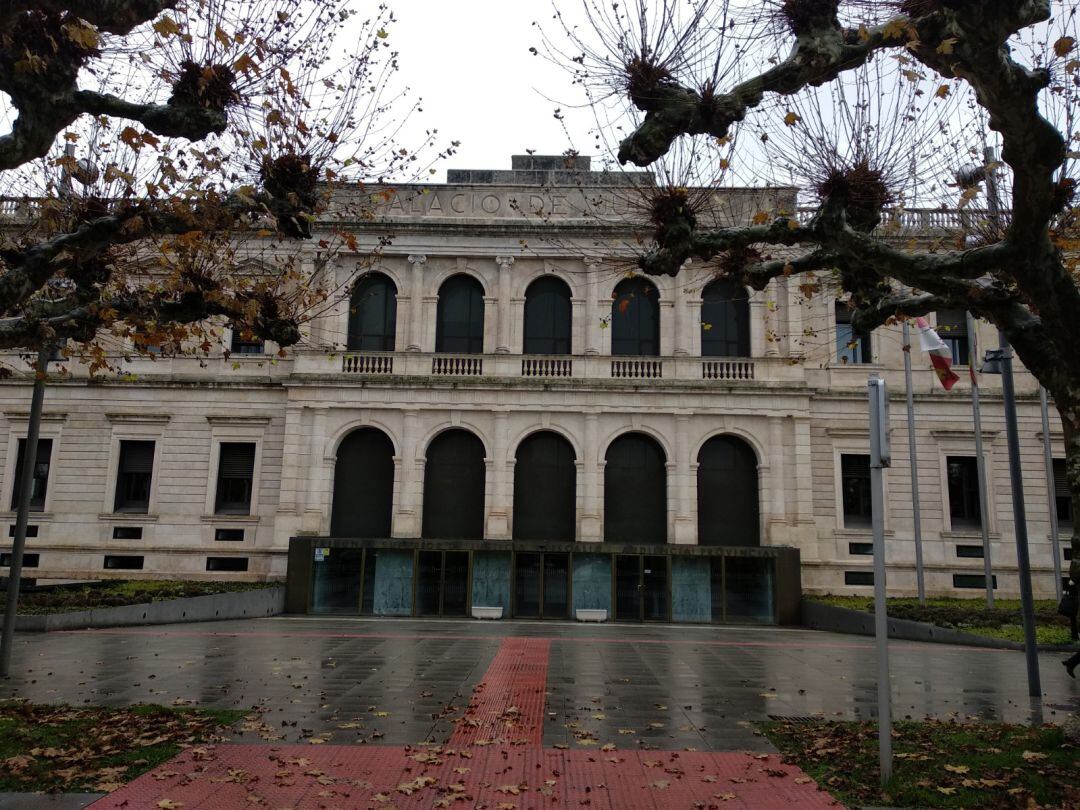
<point>556,586</point>
<point>541,585</point>
<point>628,588</point>
<point>655,586</point>
<point>527,585</point>
<point>442,583</point>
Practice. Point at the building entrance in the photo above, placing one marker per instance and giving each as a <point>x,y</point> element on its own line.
<point>541,586</point>
<point>641,588</point>
<point>442,583</point>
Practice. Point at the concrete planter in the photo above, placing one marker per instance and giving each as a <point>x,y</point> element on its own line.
<point>218,606</point>
<point>590,615</point>
<point>479,612</point>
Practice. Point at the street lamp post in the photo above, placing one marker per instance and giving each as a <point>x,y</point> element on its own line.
<point>999,361</point>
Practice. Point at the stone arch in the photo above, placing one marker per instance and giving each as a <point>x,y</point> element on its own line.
<point>728,508</point>
<point>454,486</point>
<point>635,490</point>
<point>363,484</point>
<point>545,488</point>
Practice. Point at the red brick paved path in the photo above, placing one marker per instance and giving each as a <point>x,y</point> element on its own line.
<point>494,760</point>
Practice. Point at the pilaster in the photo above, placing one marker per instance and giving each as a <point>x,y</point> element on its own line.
<point>416,303</point>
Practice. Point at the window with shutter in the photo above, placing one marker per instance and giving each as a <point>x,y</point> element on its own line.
<point>41,475</point>
<point>236,469</point>
<point>952,327</point>
<point>133,476</point>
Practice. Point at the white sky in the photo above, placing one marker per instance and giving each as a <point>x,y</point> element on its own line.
<point>469,60</point>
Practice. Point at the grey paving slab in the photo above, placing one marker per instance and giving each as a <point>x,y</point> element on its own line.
<point>402,682</point>
<point>47,801</point>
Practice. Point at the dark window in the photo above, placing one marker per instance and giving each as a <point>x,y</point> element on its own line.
<point>728,493</point>
<point>972,581</point>
<point>635,319</point>
<point>40,484</point>
<point>858,577</point>
<point>545,489</point>
<point>363,485</point>
<point>31,530</point>
<point>851,346</point>
<point>547,317</point>
<point>1062,496</point>
<point>454,487</point>
<point>952,327</point>
<point>236,468</point>
<point>963,473</point>
<point>861,549</point>
<point>373,314</point>
<point>226,563</point>
<point>459,328</point>
<point>130,562</point>
<point>725,320</point>
<point>243,342</point>
<point>973,552</point>
<point>230,535</point>
<point>28,560</point>
<point>127,532</point>
<point>855,485</point>
<point>635,491</point>
<point>133,476</point>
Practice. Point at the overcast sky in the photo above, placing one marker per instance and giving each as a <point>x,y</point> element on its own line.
<point>470,61</point>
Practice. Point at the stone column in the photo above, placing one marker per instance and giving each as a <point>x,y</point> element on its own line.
<point>498,517</point>
<point>409,503</point>
<point>772,321</point>
<point>592,507</point>
<point>592,307</point>
<point>502,345</point>
<point>793,309</point>
<point>682,320</point>
<point>416,303</point>
<point>681,486</point>
<point>777,514</point>
<point>318,494</point>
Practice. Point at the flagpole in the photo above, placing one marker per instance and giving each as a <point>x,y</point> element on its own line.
<point>1055,541</point>
<point>980,460</point>
<point>915,505</point>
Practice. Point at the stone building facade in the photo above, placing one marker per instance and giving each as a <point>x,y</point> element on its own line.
<point>506,307</point>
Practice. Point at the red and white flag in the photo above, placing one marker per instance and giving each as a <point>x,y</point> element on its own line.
<point>940,354</point>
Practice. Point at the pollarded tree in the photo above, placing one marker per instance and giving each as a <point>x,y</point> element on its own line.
<point>718,70</point>
<point>167,159</point>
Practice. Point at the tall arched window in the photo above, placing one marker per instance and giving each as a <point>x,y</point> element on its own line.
<point>547,317</point>
<point>728,493</point>
<point>635,491</point>
<point>459,327</point>
<point>454,487</point>
<point>725,320</point>
<point>373,314</point>
<point>545,488</point>
<point>363,485</point>
<point>635,318</point>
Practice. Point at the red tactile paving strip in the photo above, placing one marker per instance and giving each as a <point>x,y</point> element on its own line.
<point>507,706</point>
<point>493,761</point>
<point>500,778</point>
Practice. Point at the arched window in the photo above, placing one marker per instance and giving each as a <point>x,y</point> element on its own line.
<point>635,491</point>
<point>547,317</point>
<point>635,318</point>
<point>460,324</point>
<point>363,485</point>
<point>454,487</point>
<point>725,320</point>
<point>373,314</point>
<point>728,493</point>
<point>545,488</point>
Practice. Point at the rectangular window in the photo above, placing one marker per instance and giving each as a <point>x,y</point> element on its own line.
<point>861,549</point>
<point>127,533</point>
<point>243,342</point>
<point>970,551</point>
<point>851,346</point>
<point>226,563</point>
<point>859,578</point>
<point>229,534</point>
<point>40,483</point>
<point>133,476</point>
<point>1062,497</point>
<point>31,531</point>
<point>235,472</point>
<point>972,581</point>
<point>963,474</point>
<point>28,560</point>
<point>952,327</point>
<point>127,562</point>
<point>855,484</point>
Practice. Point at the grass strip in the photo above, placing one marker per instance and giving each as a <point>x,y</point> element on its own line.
<point>119,593</point>
<point>937,763</point>
<point>98,749</point>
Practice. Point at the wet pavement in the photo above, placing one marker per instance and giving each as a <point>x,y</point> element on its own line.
<point>403,682</point>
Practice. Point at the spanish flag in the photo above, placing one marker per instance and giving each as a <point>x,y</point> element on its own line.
<point>940,354</point>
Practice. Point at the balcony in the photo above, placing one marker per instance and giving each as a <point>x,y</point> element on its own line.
<point>554,368</point>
